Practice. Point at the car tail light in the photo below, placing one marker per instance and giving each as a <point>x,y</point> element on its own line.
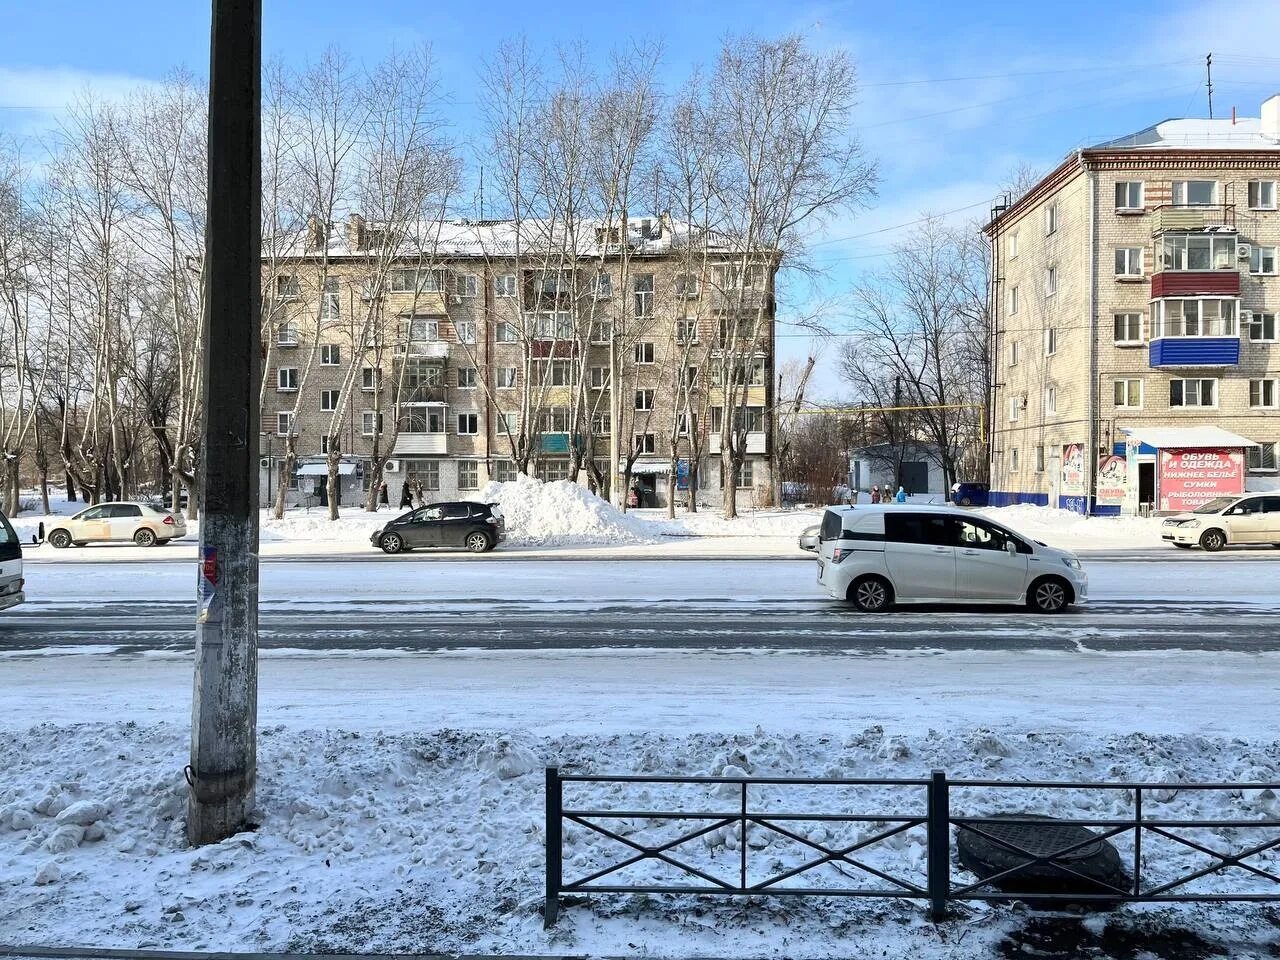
<point>491,519</point>
<point>169,521</point>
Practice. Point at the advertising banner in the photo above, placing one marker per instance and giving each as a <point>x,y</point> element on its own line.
<point>1132,449</point>
<point>1072,470</point>
<point>1188,478</point>
<point>1113,480</point>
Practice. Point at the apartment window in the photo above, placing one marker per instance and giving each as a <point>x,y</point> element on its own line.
<point>690,377</point>
<point>643,288</point>
<point>552,325</point>
<point>686,331</point>
<point>1193,393</point>
<point>468,475</point>
<point>554,420</point>
<point>1262,327</point>
<point>370,422</point>
<point>645,443</point>
<point>466,330</point>
<point>1197,251</point>
<point>1262,260</point>
<point>601,331</point>
<point>504,332</point>
<point>1128,261</point>
<point>1195,193</point>
<point>1050,341</point>
<point>1200,317</point>
<point>1262,194</point>
<point>287,288</point>
<point>506,378</point>
<point>552,470</point>
<point>1050,400</point>
<point>744,478</point>
<point>287,335</point>
<point>504,471</point>
<point>330,355</point>
<point>554,373</point>
<point>686,285</point>
<point>600,422</point>
<point>465,285</point>
<point>468,424</point>
<point>1262,457</point>
<point>329,400</point>
<point>1015,408</point>
<point>644,352</point>
<point>1013,459</point>
<point>599,378</point>
<point>1050,281</point>
<point>1127,394</point>
<point>466,378</point>
<point>685,422</point>
<point>426,473</point>
<point>1011,301</point>
<point>1051,219</point>
<point>324,443</point>
<point>284,423</point>
<point>644,399</point>
<point>504,286</point>
<point>1129,195</point>
<point>1128,328</point>
<point>1013,353</point>
<point>422,330</point>
<point>1263,393</point>
<point>410,280</point>
<point>287,379</point>
<point>330,300</point>
<point>1040,459</point>
<point>1013,244</point>
<point>602,286</point>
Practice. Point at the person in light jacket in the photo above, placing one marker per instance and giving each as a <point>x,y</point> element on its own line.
<point>901,495</point>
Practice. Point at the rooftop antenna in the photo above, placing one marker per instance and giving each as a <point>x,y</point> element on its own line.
<point>1208,72</point>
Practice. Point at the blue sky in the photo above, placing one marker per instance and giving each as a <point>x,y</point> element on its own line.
<point>954,95</point>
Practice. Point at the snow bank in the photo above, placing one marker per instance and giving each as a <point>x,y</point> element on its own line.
<point>418,843</point>
<point>1073,531</point>
<point>560,512</point>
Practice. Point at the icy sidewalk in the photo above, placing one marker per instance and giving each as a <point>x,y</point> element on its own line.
<point>433,840</point>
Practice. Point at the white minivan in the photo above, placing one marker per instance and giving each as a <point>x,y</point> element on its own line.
<point>11,582</point>
<point>876,556</point>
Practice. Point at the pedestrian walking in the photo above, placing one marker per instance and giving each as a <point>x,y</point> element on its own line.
<point>875,493</point>
<point>406,498</point>
<point>901,495</point>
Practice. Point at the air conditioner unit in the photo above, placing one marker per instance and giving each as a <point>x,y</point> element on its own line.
<point>1246,316</point>
<point>1243,251</point>
<point>264,463</point>
<point>1022,402</point>
<point>391,466</point>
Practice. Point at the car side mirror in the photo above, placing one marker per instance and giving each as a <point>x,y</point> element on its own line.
<point>1011,546</point>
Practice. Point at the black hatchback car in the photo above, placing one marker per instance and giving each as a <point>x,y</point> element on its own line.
<point>476,526</point>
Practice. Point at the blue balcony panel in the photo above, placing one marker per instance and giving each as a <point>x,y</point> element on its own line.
<point>1195,352</point>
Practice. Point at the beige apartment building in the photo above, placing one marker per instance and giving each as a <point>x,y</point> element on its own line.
<point>1136,293</point>
<point>472,342</point>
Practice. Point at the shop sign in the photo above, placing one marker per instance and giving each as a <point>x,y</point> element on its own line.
<point>1188,478</point>
<point>1113,480</point>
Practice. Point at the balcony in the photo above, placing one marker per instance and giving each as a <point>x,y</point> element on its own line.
<point>410,444</point>
<point>557,443</point>
<point>755,443</point>
<point>424,393</point>
<point>1190,283</point>
<point>430,349</point>
<point>542,349</point>
<point>1208,217</point>
<point>741,301</point>
<point>1195,352</point>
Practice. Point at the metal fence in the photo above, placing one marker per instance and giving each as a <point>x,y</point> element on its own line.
<point>929,806</point>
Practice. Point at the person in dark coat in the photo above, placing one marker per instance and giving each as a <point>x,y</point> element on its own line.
<point>406,499</point>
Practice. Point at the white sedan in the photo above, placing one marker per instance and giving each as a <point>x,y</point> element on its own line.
<point>140,523</point>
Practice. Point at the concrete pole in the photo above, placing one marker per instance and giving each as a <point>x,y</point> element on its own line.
<point>225,704</point>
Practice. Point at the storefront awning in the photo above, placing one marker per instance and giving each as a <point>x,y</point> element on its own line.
<point>1186,438</point>
<point>322,469</point>
<point>645,468</point>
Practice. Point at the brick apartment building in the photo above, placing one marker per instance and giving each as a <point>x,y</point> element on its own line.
<point>1136,297</point>
<point>478,331</point>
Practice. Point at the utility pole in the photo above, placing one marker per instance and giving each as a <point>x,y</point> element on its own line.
<point>224,710</point>
<point>1208,73</point>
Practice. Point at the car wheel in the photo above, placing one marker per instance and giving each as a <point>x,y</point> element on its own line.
<point>1213,540</point>
<point>1049,595</point>
<point>871,594</point>
<point>965,501</point>
<point>59,539</point>
<point>145,538</point>
<point>391,543</point>
<point>477,542</point>
<point>1183,546</point>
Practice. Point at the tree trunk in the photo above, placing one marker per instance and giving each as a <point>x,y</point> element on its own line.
<point>70,484</point>
<point>728,481</point>
<point>287,466</point>
<point>375,485</point>
<point>331,482</point>
<point>672,470</point>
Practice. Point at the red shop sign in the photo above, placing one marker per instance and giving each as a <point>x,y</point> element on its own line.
<point>1189,478</point>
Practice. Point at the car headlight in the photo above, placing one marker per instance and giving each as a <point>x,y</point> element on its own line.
<point>1072,562</point>
<point>1191,523</point>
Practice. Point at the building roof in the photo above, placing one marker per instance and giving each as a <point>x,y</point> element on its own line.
<point>1244,133</point>
<point>1186,438</point>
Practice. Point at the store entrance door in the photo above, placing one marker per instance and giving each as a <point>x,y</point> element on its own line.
<point>1146,485</point>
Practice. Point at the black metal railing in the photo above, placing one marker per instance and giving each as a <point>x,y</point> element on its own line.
<point>928,806</point>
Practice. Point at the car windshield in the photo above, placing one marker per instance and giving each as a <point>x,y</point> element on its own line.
<point>1216,505</point>
<point>7,534</point>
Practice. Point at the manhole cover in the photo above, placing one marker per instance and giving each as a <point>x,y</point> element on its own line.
<point>1093,868</point>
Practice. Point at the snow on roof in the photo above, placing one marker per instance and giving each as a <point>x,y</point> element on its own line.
<point>1186,438</point>
<point>1244,133</point>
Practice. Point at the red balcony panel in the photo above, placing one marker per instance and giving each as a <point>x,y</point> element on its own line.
<point>553,348</point>
<point>1188,283</point>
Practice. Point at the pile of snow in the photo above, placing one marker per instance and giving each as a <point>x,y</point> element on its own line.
<point>1069,530</point>
<point>353,526</point>
<point>422,843</point>
<point>560,512</point>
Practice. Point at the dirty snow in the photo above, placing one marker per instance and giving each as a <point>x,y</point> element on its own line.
<point>421,842</point>
<point>560,512</point>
